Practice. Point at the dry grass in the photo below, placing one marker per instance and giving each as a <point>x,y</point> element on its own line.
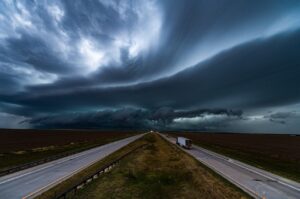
<point>160,171</point>
<point>279,154</point>
<point>75,179</point>
<point>18,147</point>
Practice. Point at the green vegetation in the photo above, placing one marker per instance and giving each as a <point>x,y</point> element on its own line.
<point>161,170</point>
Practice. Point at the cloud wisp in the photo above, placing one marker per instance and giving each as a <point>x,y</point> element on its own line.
<point>82,64</point>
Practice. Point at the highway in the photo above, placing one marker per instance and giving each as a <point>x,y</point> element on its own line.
<point>33,181</point>
<point>256,182</point>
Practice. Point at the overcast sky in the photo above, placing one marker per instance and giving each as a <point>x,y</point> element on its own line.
<point>151,64</point>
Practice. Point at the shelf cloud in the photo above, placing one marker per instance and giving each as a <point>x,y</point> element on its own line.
<point>171,65</point>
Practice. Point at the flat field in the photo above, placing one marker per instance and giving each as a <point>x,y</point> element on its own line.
<point>161,170</point>
<point>23,146</point>
<point>279,154</point>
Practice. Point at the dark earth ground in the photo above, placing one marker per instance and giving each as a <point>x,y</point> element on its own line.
<point>279,154</point>
<point>160,170</point>
<point>23,146</point>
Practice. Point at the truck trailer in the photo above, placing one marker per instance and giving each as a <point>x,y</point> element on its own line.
<point>184,142</point>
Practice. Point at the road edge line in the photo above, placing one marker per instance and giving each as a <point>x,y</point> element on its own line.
<point>248,191</point>
<point>52,184</point>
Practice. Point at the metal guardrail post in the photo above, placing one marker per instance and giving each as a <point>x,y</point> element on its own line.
<point>103,169</point>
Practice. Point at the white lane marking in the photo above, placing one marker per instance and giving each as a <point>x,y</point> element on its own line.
<point>216,155</point>
<point>79,169</point>
<point>246,189</point>
<point>61,178</point>
<point>229,178</point>
<point>25,174</point>
<point>51,165</point>
<point>65,160</point>
<point>250,169</point>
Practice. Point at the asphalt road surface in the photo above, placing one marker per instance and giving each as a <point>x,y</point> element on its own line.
<point>35,180</point>
<point>258,183</point>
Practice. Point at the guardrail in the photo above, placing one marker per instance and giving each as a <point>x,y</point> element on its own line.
<point>34,163</point>
<point>42,161</point>
<point>95,175</point>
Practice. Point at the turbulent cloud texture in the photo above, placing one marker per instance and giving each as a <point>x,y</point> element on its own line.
<point>149,64</point>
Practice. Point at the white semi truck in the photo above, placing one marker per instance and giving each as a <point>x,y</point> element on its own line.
<point>184,142</point>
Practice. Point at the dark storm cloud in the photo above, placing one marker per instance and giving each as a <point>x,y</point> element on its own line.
<point>191,32</point>
<point>126,118</point>
<point>33,51</point>
<point>195,31</point>
<point>283,117</point>
<point>61,60</point>
<point>71,42</point>
<point>230,79</point>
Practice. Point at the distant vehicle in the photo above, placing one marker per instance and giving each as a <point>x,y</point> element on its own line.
<point>184,142</point>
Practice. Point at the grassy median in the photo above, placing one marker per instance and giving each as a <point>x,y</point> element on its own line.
<point>75,179</point>
<point>161,170</point>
